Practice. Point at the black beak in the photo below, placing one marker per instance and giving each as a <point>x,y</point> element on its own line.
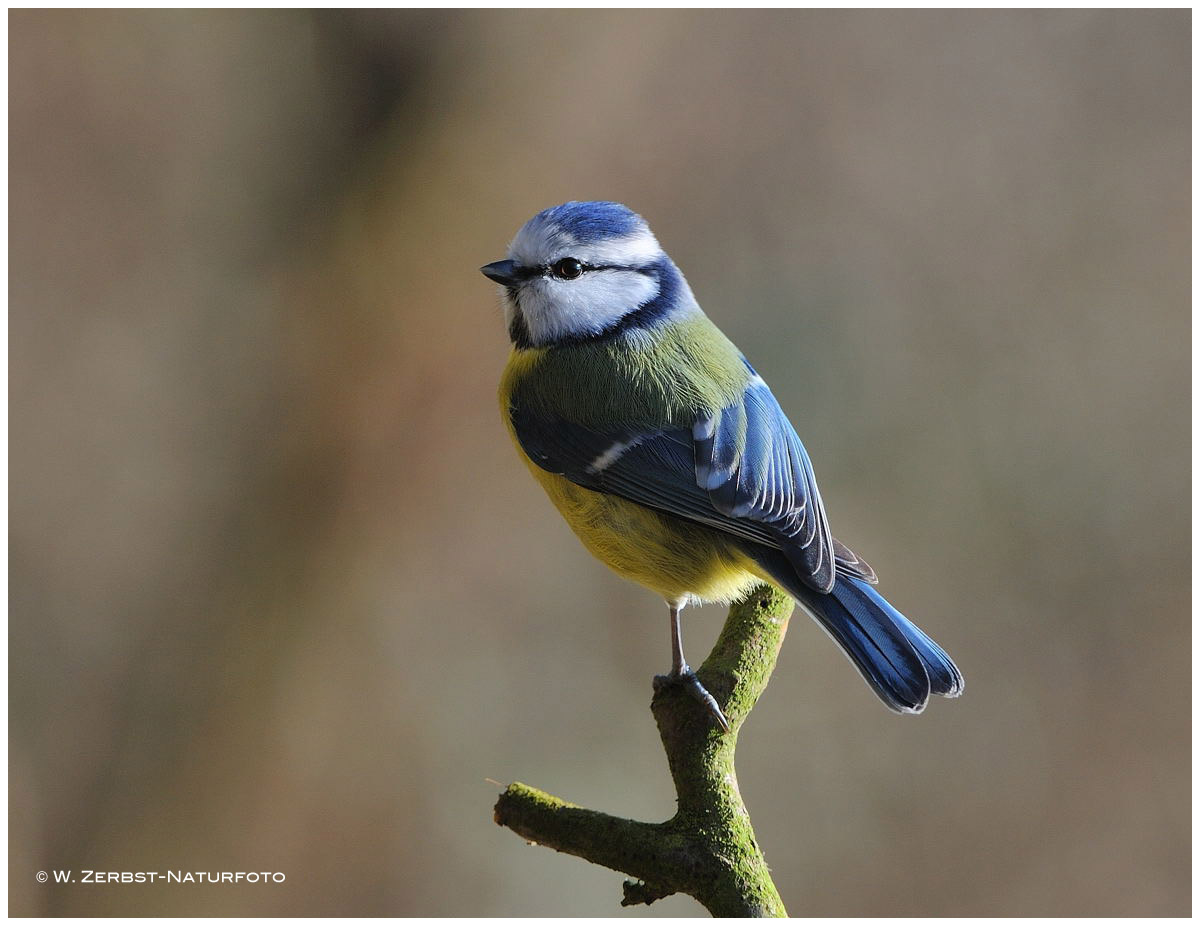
<point>504,272</point>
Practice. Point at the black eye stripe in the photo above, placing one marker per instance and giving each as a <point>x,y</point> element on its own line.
<point>546,270</point>
<point>549,268</point>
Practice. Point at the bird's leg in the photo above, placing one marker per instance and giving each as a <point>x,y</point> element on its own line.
<point>679,666</point>
<point>682,673</point>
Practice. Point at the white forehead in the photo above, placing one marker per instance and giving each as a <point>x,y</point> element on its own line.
<point>543,242</point>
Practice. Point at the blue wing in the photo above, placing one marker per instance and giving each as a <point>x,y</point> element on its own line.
<point>753,465</point>
<point>741,470</point>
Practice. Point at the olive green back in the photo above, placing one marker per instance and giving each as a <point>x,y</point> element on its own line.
<point>654,378</point>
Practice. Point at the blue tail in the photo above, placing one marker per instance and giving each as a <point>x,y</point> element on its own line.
<point>895,657</point>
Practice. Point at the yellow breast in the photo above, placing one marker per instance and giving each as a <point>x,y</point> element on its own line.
<point>671,556</point>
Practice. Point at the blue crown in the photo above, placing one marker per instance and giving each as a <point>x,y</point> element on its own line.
<point>593,221</point>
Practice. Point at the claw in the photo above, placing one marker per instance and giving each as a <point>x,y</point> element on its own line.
<point>687,677</point>
<point>681,672</point>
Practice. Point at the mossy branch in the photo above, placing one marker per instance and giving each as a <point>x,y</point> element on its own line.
<point>707,850</point>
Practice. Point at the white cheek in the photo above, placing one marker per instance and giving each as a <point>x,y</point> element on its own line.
<point>510,310</point>
<point>556,309</point>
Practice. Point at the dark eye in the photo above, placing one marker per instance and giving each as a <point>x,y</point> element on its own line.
<point>567,269</point>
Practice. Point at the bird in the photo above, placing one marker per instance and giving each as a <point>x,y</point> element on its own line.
<point>667,453</point>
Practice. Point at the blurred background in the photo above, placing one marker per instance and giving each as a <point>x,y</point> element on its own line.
<point>283,597</point>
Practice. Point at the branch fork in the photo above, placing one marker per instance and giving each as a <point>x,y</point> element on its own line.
<point>707,849</point>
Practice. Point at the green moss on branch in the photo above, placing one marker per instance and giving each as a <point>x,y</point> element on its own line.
<point>707,849</point>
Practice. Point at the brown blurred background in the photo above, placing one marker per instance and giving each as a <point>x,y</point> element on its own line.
<point>283,597</point>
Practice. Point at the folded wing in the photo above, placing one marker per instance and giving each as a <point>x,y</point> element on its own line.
<point>751,462</point>
<point>741,470</point>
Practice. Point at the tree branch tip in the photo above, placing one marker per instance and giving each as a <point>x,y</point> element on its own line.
<point>519,801</point>
<point>523,793</point>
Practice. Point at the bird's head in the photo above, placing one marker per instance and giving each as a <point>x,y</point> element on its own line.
<point>581,271</point>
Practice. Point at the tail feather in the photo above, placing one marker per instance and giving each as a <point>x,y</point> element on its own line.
<point>944,677</point>
<point>900,662</point>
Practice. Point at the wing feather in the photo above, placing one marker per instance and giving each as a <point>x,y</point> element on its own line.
<point>741,470</point>
<point>754,467</point>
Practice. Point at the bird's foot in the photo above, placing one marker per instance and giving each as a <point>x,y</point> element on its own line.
<point>687,677</point>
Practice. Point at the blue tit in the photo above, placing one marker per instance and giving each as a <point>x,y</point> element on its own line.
<point>667,453</point>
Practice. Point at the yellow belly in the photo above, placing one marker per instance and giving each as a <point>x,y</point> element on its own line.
<point>672,557</point>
